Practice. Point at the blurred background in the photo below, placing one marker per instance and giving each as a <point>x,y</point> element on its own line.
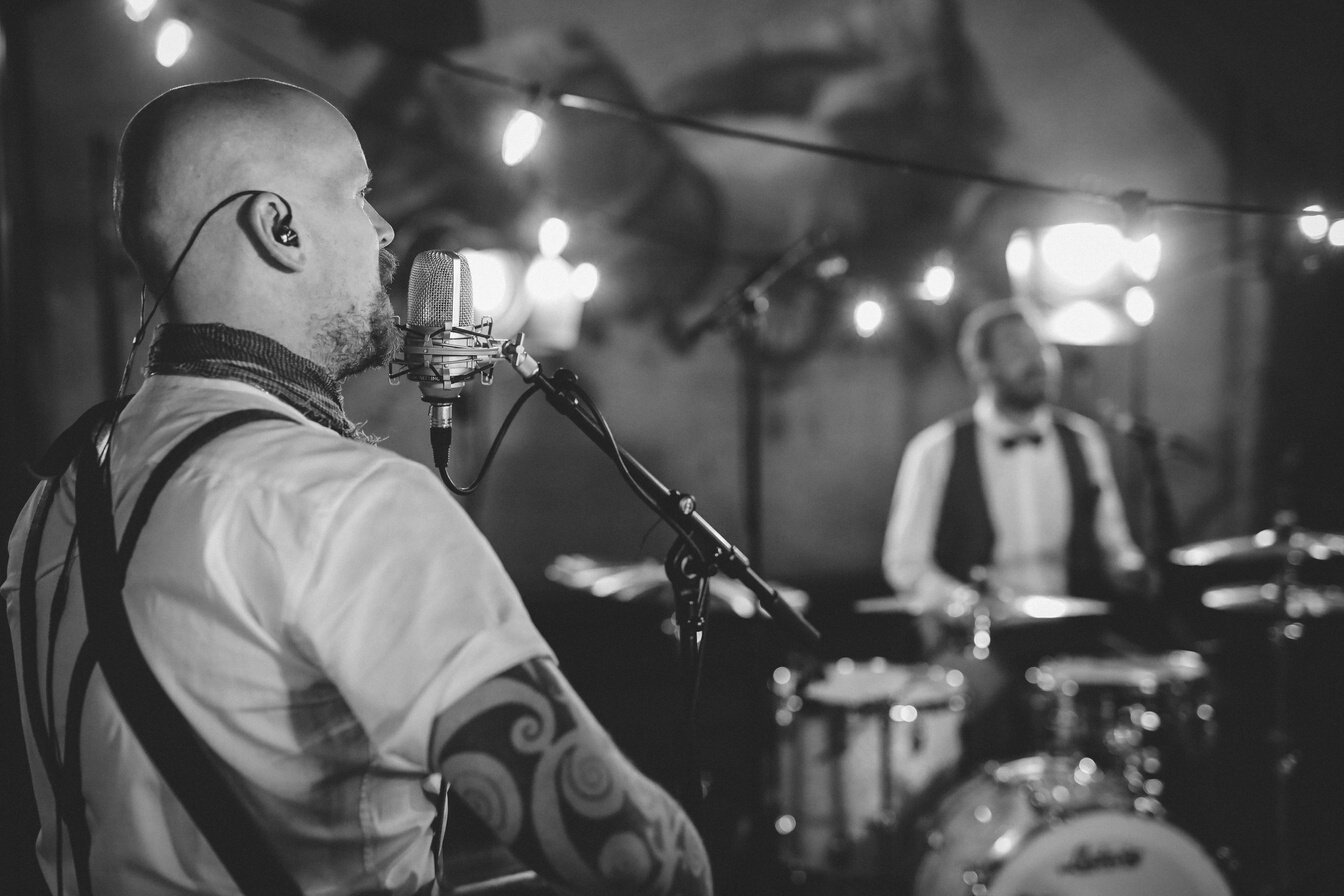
<point>753,229</point>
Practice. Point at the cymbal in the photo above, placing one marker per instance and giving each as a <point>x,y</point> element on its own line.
<point>1298,601</point>
<point>1021,609</point>
<point>646,581</point>
<point>1267,544</point>
<point>1025,609</point>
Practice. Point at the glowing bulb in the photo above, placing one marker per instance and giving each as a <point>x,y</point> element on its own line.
<point>1313,227</point>
<point>832,266</point>
<point>1143,256</point>
<point>1081,255</point>
<point>520,136</point>
<point>174,39</point>
<point>552,237</point>
<point>1018,255</point>
<point>1085,322</point>
<point>490,286</point>
<point>938,282</point>
<point>583,281</point>
<point>1140,305</point>
<point>138,10</point>
<point>868,316</point>
<point>547,279</point>
<point>1336,233</point>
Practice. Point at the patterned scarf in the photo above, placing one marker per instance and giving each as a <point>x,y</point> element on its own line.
<point>221,352</point>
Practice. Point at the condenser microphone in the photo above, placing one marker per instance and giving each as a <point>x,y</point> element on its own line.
<point>443,347</point>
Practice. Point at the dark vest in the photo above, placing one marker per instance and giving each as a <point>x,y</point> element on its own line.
<point>964,537</point>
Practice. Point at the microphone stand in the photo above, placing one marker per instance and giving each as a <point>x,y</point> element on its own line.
<point>745,307</point>
<point>697,554</point>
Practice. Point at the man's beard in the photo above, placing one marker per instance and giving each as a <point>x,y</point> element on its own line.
<point>358,342</point>
<point>1022,399</point>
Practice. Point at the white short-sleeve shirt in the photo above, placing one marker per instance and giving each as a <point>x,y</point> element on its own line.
<point>311,604</point>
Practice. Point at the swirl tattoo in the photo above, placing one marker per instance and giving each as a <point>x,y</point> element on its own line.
<point>529,759</point>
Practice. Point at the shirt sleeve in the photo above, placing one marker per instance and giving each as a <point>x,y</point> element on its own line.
<point>408,608</point>
<point>907,548</point>
<point>1112,529</point>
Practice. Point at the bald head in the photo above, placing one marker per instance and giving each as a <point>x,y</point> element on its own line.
<point>192,146</point>
<point>256,151</point>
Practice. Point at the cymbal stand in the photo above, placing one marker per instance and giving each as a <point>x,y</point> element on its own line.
<point>1282,631</point>
<point>981,617</point>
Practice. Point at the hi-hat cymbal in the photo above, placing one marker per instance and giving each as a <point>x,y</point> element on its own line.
<point>1267,544</point>
<point>1295,602</point>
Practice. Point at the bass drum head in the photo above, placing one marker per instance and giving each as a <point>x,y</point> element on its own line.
<point>1108,853</point>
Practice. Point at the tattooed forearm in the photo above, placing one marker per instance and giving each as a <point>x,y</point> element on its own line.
<point>531,761</point>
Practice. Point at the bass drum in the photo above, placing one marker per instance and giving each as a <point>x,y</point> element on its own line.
<point>1051,825</point>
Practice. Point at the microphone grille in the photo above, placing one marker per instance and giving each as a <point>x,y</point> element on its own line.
<point>439,291</point>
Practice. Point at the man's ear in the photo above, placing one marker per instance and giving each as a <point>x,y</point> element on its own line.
<point>269,222</point>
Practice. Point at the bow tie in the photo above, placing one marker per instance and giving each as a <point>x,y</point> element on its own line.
<point>1008,443</point>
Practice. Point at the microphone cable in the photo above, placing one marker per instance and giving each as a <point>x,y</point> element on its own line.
<point>494,448</point>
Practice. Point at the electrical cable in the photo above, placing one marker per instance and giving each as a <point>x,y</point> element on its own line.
<point>494,447</point>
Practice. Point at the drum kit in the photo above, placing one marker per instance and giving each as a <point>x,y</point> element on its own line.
<point>874,787</point>
<point>871,794</point>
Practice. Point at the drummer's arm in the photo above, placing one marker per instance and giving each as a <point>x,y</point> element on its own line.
<point>1125,563</point>
<point>907,548</point>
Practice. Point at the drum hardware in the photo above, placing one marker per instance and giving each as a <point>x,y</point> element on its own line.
<point>856,748</point>
<point>1135,714</point>
<point>1288,605</point>
<point>1295,602</point>
<point>1274,545</point>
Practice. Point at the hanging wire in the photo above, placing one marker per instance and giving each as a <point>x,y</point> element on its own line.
<point>531,90</point>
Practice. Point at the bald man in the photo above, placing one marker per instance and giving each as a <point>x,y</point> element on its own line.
<point>325,617</point>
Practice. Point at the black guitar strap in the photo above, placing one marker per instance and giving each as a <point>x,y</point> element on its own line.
<point>167,737</point>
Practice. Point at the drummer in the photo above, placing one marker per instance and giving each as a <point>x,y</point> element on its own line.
<point>1013,496</point>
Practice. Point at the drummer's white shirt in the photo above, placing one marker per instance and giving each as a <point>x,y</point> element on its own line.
<point>1027,492</point>
<point>311,604</point>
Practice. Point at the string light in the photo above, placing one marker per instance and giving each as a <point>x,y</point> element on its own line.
<point>1081,255</point>
<point>1142,256</point>
<point>1336,233</point>
<point>868,317</point>
<point>938,283</point>
<point>1140,305</point>
<point>525,126</point>
<point>583,281</point>
<point>138,10</point>
<point>552,237</point>
<point>173,42</point>
<point>1140,250</point>
<point>1313,225</point>
<point>521,136</point>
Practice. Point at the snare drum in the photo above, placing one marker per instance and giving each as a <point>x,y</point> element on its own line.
<point>1134,714</point>
<point>1047,824</point>
<point>855,749</point>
